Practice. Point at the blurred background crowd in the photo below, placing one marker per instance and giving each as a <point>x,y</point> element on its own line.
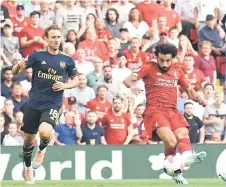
<point>108,40</point>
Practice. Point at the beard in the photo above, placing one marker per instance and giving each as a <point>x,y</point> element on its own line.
<point>163,69</point>
<point>117,109</point>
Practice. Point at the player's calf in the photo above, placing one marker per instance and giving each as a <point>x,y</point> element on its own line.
<point>40,154</point>
<point>27,153</point>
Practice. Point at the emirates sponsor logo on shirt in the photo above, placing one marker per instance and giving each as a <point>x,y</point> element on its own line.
<point>117,126</point>
<point>166,82</point>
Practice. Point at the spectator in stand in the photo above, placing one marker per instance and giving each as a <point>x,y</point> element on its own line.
<point>96,75</point>
<point>135,25</point>
<point>172,17</point>
<point>8,113</point>
<point>185,8</point>
<point>72,37</point>
<point>103,34</point>
<point>92,133</point>
<point>117,126</point>
<point>197,130</point>
<point>69,49</point>
<point>100,104</point>
<point>87,7</point>
<point>203,8</point>
<point>121,72</point>
<point>114,87</point>
<point>208,93</point>
<point>124,39</point>
<point>140,134</point>
<point>2,130</point>
<point>9,43</point>
<point>71,18</point>
<point>11,6</point>
<point>214,34</point>
<point>185,48</point>
<point>47,16</point>
<point>34,5</point>
<point>123,7</point>
<point>129,105</point>
<point>195,76</point>
<point>149,11</point>
<point>157,27</point>
<point>92,46</point>
<point>20,21</point>
<point>173,36</point>
<point>112,22</point>
<point>135,57</point>
<point>32,36</point>
<point>83,66</point>
<point>18,100</point>
<point>2,100</point>
<point>6,86</point>
<point>111,58</point>
<point>206,63</point>
<point>13,139</point>
<point>83,93</point>
<point>90,21</point>
<point>19,121</point>
<point>66,133</point>
<point>215,117</point>
<point>26,84</point>
<point>163,38</point>
<point>223,23</point>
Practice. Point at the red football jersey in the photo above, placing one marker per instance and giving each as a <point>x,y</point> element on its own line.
<point>100,108</point>
<point>196,77</point>
<point>161,88</point>
<point>141,56</point>
<point>115,128</point>
<point>20,25</point>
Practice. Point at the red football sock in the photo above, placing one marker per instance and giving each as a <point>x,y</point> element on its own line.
<point>169,151</point>
<point>184,144</point>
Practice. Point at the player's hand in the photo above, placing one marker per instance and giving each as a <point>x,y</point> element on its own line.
<point>22,63</point>
<point>59,86</point>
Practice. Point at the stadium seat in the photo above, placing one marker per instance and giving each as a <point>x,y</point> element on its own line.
<point>220,59</point>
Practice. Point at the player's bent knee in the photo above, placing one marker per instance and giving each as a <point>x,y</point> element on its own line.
<point>181,133</point>
<point>45,130</point>
<point>29,138</point>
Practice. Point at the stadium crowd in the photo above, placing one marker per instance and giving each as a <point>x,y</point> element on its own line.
<point>108,40</point>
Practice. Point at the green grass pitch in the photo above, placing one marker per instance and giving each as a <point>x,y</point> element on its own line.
<point>118,183</point>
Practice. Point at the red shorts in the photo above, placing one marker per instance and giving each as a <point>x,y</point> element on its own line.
<point>164,118</point>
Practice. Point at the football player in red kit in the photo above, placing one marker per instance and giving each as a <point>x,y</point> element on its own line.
<point>162,120</point>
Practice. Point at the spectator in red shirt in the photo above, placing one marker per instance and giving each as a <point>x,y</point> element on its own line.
<point>32,36</point>
<point>100,104</point>
<point>172,17</point>
<point>92,46</point>
<point>20,21</point>
<point>117,126</point>
<point>111,58</point>
<point>136,57</point>
<point>11,6</point>
<point>149,11</point>
<point>206,63</point>
<point>103,34</point>
<point>196,77</point>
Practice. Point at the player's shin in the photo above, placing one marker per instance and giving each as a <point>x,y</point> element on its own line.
<point>44,143</point>
<point>27,153</point>
<point>184,147</point>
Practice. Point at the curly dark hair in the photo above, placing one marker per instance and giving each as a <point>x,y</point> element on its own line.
<point>107,14</point>
<point>166,49</point>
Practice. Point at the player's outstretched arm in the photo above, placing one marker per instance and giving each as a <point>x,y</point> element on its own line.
<point>193,95</point>
<point>128,81</point>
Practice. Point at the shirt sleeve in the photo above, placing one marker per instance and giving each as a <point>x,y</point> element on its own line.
<point>104,121</point>
<point>71,68</point>
<point>184,80</point>
<point>142,73</point>
<point>31,60</point>
<point>199,123</point>
<point>206,113</point>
